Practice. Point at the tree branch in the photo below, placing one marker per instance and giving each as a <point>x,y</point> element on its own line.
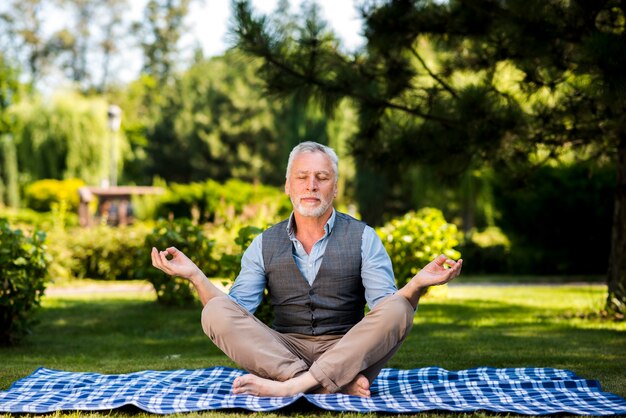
<point>433,75</point>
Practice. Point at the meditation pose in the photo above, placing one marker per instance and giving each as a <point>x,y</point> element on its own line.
<point>320,267</point>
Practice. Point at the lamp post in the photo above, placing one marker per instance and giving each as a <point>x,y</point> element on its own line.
<point>115,119</point>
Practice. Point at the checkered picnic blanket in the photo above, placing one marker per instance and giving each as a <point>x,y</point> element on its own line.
<point>533,391</point>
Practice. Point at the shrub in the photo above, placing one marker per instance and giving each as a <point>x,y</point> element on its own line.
<point>46,221</point>
<point>23,274</point>
<point>100,252</point>
<point>415,239</point>
<point>230,265</point>
<point>188,238</point>
<point>219,203</point>
<point>43,195</point>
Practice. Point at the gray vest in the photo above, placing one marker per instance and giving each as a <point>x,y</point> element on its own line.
<point>336,300</point>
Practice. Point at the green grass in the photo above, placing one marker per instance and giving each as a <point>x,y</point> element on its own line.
<point>463,327</point>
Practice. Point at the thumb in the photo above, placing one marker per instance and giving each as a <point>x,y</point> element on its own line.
<point>172,250</point>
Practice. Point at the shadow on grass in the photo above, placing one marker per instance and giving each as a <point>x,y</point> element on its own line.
<point>497,334</point>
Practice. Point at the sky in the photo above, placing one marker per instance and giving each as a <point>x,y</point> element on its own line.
<point>209,21</point>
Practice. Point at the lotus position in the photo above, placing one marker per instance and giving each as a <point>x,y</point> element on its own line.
<point>320,267</point>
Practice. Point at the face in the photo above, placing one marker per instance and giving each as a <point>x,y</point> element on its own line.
<point>311,184</point>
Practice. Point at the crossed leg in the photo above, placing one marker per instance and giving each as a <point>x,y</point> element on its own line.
<point>278,367</point>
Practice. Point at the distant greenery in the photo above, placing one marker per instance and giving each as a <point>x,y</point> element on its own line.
<point>460,328</point>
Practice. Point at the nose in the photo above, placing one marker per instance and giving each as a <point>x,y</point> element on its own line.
<point>312,184</point>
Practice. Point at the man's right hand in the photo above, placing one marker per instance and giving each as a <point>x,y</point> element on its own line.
<point>179,265</point>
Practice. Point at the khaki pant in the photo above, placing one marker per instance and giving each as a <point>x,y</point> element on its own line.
<point>333,360</point>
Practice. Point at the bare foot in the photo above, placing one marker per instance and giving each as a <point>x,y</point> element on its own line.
<point>250,384</point>
<point>360,386</point>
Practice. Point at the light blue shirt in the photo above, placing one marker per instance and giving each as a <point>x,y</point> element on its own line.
<point>376,269</point>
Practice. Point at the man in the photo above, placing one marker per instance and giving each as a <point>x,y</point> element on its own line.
<point>320,267</point>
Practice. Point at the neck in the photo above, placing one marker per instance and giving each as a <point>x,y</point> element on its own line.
<point>309,225</point>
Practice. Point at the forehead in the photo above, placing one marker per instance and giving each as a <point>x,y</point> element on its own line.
<point>312,162</point>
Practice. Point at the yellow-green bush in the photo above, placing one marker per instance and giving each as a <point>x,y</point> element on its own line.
<point>43,195</point>
<point>415,239</point>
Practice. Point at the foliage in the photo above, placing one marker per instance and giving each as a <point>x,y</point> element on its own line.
<point>65,138</point>
<point>188,238</point>
<point>213,122</point>
<point>214,202</point>
<point>160,33</point>
<point>42,195</point>
<point>9,95</point>
<point>101,252</point>
<point>230,264</point>
<point>458,85</point>
<point>29,219</point>
<point>558,218</point>
<point>91,32</point>
<point>415,239</point>
<point>23,274</point>
<point>488,251</point>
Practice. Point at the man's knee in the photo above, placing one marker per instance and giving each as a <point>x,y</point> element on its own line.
<point>217,315</point>
<point>397,313</point>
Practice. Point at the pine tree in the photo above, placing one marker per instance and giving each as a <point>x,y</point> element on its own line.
<point>463,83</point>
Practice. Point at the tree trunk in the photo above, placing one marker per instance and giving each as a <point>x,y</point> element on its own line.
<point>616,300</point>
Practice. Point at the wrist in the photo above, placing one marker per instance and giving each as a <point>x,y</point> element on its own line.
<point>197,276</point>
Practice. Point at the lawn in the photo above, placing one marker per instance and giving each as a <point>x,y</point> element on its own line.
<point>460,327</point>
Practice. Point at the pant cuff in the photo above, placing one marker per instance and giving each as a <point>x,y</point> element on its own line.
<point>319,375</point>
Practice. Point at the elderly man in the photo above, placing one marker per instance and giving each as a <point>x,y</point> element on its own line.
<point>320,267</point>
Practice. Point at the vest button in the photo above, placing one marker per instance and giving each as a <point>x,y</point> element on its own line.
<point>311,292</point>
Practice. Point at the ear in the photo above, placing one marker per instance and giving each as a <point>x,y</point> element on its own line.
<point>335,191</point>
<point>287,187</point>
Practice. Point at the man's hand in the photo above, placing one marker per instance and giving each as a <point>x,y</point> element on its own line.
<point>179,265</point>
<point>435,273</point>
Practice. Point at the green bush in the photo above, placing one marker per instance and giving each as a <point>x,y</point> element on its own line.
<point>100,252</point>
<point>188,238</point>
<point>43,195</point>
<point>46,221</point>
<point>230,265</point>
<point>415,239</point>
<point>23,274</point>
<point>218,203</point>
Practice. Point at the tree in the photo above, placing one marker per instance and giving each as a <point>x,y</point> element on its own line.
<point>160,32</point>
<point>22,33</point>
<point>9,95</point>
<point>459,84</point>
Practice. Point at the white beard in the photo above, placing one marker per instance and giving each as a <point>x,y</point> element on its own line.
<point>313,212</point>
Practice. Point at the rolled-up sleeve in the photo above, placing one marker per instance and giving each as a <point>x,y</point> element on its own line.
<point>376,268</point>
<point>248,288</point>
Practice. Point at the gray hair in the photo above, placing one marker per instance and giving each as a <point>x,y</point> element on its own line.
<point>310,146</point>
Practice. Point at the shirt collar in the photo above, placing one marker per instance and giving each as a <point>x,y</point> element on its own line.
<point>328,228</point>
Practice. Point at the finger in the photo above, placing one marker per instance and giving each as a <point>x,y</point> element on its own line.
<point>440,260</point>
<point>154,254</point>
<point>172,250</point>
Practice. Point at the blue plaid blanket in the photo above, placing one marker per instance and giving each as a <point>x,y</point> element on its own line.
<point>532,391</point>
